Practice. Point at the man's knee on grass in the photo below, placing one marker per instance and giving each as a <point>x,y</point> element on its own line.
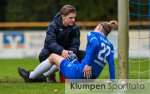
<point>56,59</point>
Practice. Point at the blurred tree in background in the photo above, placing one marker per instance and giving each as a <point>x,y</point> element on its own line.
<point>45,10</point>
<point>2,10</point>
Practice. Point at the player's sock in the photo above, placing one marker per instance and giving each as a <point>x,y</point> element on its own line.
<point>40,69</point>
<point>52,70</point>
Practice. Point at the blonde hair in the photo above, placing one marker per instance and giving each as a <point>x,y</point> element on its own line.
<point>108,26</point>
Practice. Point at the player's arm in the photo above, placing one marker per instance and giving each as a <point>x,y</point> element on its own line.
<point>51,40</point>
<point>75,42</point>
<point>111,65</point>
<point>88,69</point>
<point>94,46</point>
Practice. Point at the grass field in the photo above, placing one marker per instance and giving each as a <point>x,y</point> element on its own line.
<point>12,83</point>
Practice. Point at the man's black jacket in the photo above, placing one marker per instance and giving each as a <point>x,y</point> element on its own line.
<point>59,37</point>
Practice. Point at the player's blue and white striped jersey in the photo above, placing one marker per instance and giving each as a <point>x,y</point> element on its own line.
<point>99,51</point>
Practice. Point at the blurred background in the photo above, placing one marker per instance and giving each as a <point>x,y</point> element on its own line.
<point>23,23</point>
<point>44,10</point>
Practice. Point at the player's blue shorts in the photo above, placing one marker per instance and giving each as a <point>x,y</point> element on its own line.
<point>71,70</point>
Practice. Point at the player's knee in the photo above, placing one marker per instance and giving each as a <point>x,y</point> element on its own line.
<point>52,57</point>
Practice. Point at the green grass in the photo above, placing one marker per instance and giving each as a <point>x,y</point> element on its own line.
<point>31,88</point>
<point>12,83</point>
<point>141,65</point>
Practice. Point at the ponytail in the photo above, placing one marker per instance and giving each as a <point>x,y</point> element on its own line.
<point>113,24</point>
<point>108,26</point>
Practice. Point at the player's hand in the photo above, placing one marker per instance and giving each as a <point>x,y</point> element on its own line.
<point>87,71</point>
<point>65,54</point>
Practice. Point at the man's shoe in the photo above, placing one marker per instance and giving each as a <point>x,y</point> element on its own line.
<point>52,78</point>
<point>24,74</point>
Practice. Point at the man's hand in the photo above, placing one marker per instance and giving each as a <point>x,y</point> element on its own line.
<point>65,54</point>
<point>87,71</point>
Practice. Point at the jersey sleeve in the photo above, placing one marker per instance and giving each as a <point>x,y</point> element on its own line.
<point>111,64</point>
<point>93,41</point>
<point>91,37</point>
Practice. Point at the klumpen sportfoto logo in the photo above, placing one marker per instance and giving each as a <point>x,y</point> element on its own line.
<point>91,86</point>
<point>106,86</point>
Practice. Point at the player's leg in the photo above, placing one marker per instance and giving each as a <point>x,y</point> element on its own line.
<point>44,54</point>
<point>51,74</point>
<point>25,75</point>
<point>41,68</point>
<point>66,67</point>
<point>38,71</point>
<point>56,59</point>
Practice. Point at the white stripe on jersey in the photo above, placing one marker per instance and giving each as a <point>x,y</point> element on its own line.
<point>92,39</point>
